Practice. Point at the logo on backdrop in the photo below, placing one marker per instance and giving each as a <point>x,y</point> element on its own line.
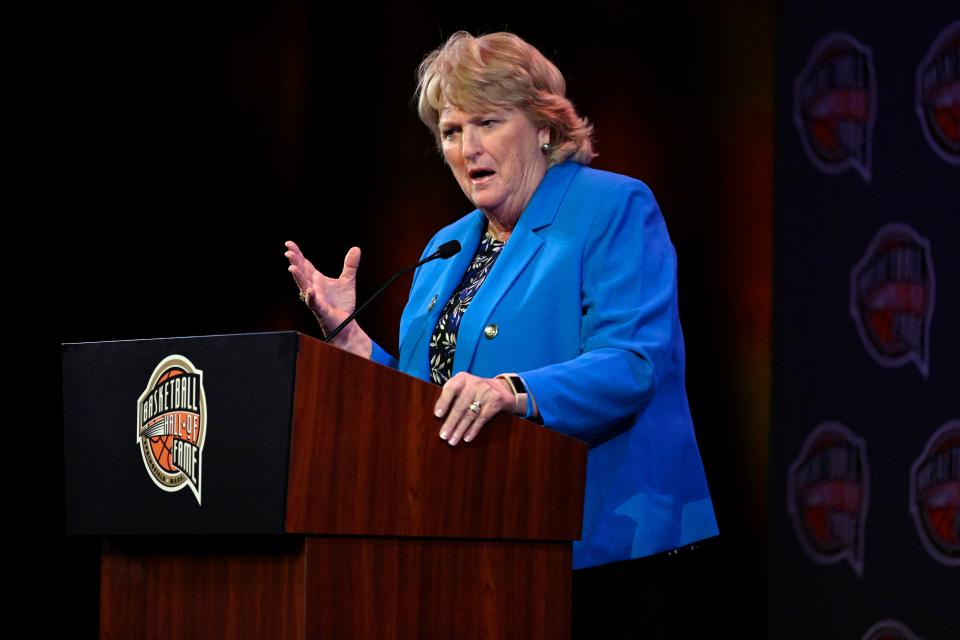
<point>892,291</point>
<point>935,494</point>
<point>172,425</point>
<point>834,105</point>
<point>889,630</point>
<point>828,493</point>
<point>938,94</point>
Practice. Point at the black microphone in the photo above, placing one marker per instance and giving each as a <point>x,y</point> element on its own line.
<point>446,250</point>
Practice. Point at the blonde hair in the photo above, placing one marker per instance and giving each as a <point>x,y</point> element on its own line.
<point>500,70</point>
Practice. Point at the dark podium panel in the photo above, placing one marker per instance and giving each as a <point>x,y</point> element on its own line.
<point>248,382</point>
<point>317,501</point>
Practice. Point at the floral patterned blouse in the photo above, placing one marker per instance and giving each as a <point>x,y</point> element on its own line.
<point>443,341</point>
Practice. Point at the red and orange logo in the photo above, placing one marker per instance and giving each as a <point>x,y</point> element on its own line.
<point>938,94</point>
<point>892,292</point>
<point>834,105</point>
<point>935,494</point>
<point>828,492</point>
<point>172,425</point>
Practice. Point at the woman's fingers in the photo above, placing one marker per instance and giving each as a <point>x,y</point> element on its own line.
<point>351,262</point>
<point>298,265</point>
<point>331,300</point>
<point>460,417</point>
<point>468,402</point>
<point>304,273</point>
<point>293,253</point>
<point>487,412</point>
<point>298,277</point>
<point>297,259</point>
<point>448,394</point>
<point>471,421</point>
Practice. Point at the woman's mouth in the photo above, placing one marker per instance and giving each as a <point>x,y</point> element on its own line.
<point>481,176</point>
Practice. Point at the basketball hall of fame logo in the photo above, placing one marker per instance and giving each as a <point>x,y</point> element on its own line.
<point>172,425</point>
<point>828,494</point>
<point>892,291</point>
<point>938,94</point>
<point>889,630</point>
<point>834,105</point>
<point>935,494</point>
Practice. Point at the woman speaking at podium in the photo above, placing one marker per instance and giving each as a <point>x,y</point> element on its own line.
<point>561,308</point>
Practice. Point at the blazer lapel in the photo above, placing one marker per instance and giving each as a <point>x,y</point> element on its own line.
<point>520,249</point>
<point>440,278</point>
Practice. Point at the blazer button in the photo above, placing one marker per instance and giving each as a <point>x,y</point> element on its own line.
<point>490,331</point>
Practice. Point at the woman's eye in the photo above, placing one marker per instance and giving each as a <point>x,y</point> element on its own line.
<point>487,123</point>
<point>447,134</point>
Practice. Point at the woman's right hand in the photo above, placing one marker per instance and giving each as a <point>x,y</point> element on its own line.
<point>331,299</point>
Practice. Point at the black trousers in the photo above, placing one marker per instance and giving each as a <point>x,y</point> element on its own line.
<point>668,595</point>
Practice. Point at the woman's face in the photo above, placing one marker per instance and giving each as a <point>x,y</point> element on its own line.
<point>495,156</point>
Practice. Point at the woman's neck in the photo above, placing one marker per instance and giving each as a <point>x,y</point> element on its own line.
<point>499,230</point>
<point>502,219</point>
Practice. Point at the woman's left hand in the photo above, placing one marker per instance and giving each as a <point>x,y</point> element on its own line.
<point>459,393</point>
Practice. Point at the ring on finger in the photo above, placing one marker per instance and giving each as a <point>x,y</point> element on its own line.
<point>475,406</point>
<point>303,296</point>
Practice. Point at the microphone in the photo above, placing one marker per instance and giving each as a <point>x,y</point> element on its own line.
<point>446,250</point>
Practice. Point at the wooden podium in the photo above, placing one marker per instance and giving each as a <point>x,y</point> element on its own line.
<point>322,504</point>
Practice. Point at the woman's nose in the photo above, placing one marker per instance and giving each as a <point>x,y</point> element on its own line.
<point>471,143</point>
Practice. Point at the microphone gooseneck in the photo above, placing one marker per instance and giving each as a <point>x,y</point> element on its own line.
<point>444,251</point>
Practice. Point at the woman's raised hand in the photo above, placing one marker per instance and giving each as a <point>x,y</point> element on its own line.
<point>331,299</point>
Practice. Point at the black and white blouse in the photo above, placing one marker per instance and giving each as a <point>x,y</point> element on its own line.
<point>443,341</point>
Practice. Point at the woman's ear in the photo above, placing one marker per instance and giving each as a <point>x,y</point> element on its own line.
<point>543,134</point>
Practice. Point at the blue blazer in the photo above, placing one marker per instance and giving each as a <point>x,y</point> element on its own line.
<point>584,296</point>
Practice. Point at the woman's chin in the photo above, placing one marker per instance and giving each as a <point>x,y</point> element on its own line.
<point>485,199</point>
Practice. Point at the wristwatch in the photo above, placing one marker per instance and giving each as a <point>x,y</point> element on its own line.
<point>515,382</point>
<point>516,385</point>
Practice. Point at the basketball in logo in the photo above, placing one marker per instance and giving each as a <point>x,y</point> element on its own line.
<point>935,494</point>
<point>834,105</point>
<point>892,292</point>
<point>889,630</point>
<point>172,425</point>
<point>828,493</point>
<point>938,94</point>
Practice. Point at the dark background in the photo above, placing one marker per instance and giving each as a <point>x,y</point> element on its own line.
<point>822,371</point>
<point>190,143</point>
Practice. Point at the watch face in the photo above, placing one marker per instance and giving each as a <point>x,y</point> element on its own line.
<point>518,384</point>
